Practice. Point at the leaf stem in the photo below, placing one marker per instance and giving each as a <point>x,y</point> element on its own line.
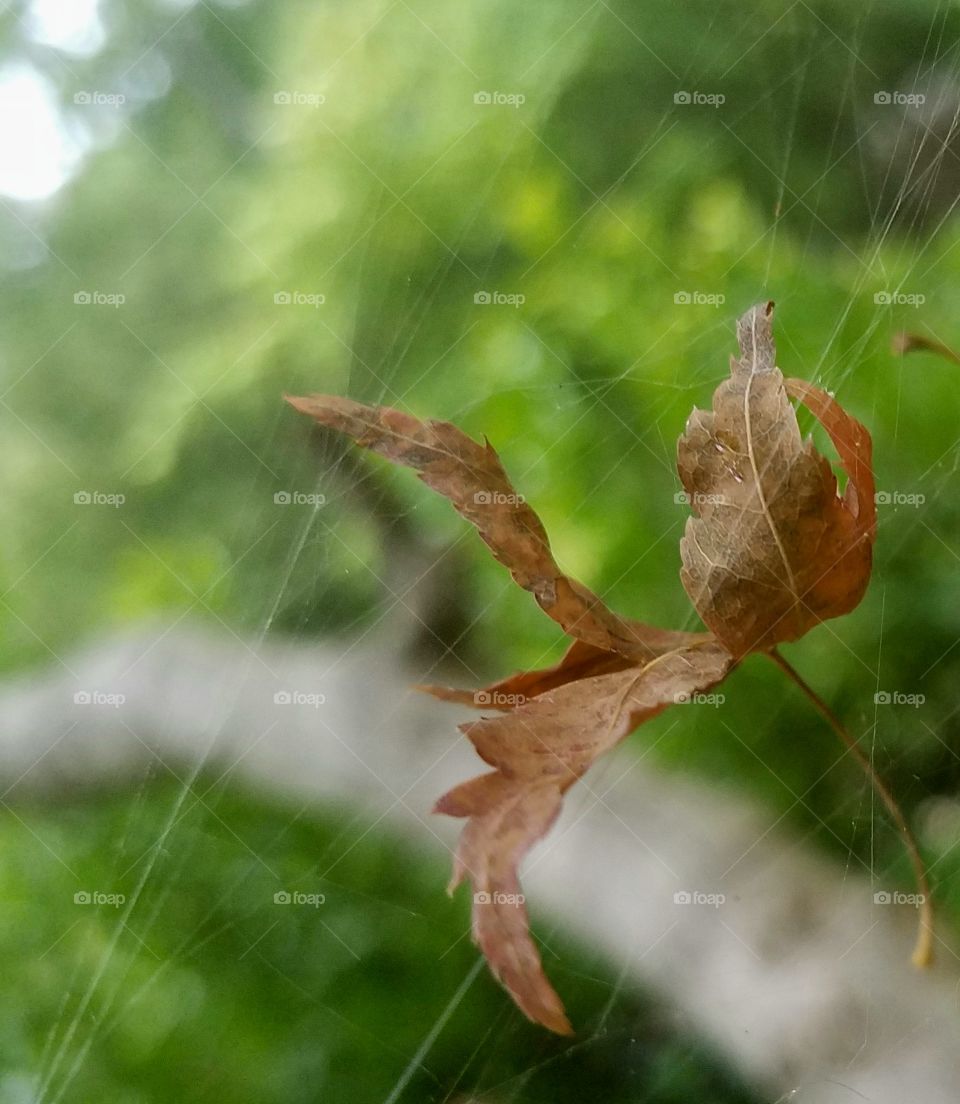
<point>923,950</point>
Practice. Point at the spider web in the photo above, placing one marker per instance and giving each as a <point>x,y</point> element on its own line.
<point>887,254</point>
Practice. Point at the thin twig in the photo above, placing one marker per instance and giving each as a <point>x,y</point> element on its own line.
<point>911,343</point>
<point>923,951</point>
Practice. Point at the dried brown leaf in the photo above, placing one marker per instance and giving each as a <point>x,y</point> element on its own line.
<point>772,549</point>
<point>580,661</point>
<point>471,476</point>
<point>539,750</point>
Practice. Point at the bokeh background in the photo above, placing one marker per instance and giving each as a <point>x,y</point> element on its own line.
<point>539,221</point>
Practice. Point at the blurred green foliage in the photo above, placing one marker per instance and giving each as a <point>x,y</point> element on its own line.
<point>212,987</point>
<point>397,200</point>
